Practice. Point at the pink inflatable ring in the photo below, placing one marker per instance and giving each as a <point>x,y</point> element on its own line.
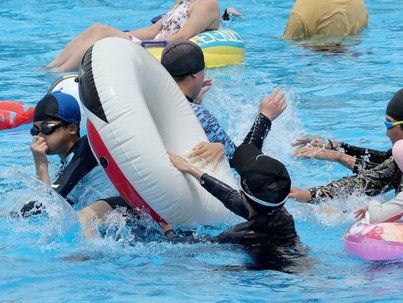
<point>375,242</point>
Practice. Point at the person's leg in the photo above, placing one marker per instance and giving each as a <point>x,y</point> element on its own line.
<point>71,55</point>
<point>96,212</point>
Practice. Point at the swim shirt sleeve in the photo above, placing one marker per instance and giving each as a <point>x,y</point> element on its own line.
<point>230,197</point>
<point>371,182</point>
<point>296,27</point>
<point>366,158</point>
<point>258,131</point>
<point>215,133</point>
<point>386,212</point>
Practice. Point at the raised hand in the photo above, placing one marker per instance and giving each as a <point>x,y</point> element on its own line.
<point>206,86</point>
<point>273,105</point>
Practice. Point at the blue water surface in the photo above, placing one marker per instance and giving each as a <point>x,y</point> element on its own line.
<point>337,95</point>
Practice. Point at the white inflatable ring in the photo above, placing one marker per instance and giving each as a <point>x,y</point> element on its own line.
<point>136,112</point>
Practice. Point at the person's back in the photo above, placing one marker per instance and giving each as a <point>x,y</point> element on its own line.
<point>326,17</point>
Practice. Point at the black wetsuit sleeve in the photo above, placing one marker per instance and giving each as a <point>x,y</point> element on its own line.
<point>371,182</point>
<point>81,164</point>
<point>230,197</point>
<point>371,155</point>
<point>258,132</point>
<point>366,158</point>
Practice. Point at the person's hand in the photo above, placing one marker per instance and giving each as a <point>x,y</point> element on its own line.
<point>184,166</point>
<point>206,86</point>
<point>360,213</point>
<point>38,149</point>
<point>165,227</point>
<point>206,153</point>
<point>233,12</point>
<point>302,195</point>
<point>313,152</point>
<point>180,163</point>
<point>314,141</point>
<point>273,105</point>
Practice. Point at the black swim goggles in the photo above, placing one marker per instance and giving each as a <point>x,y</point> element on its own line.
<point>46,129</point>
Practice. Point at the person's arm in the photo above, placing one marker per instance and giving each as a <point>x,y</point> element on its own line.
<point>269,109</point>
<point>353,157</point>
<point>313,152</point>
<point>258,132</point>
<point>147,33</point>
<point>204,16</point>
<point>215,133</point>
<point>386,212</point>
<point>230,197</point>
<point>38,149</point>
<point>230,11</point>
<point>365,154</point>
<point>371,182</point>
<point>206,86</point>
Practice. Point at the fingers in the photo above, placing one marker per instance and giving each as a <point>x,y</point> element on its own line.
<point>313,140</point>
<point>274,93</point>
<point>196,153</point>
<point>208,82</point>
<point>307,152</point>
<point>301,141</point>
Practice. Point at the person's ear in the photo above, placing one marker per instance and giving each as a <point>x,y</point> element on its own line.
<point>73,129</point>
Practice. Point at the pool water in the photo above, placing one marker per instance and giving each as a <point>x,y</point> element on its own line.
<point>340,95</point>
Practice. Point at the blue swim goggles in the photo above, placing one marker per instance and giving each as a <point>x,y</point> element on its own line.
<point>390,124</point>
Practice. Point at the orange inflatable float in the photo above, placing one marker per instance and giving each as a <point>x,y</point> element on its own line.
<point>13,114</point>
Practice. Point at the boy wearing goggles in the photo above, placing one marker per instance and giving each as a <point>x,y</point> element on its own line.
<point>376,171</point>
<point>56,131</point>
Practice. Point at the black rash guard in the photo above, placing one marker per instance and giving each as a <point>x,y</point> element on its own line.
<point>260,233</point>
<point>259,230</point>
<point>71,172</point>
<point>82,163</point>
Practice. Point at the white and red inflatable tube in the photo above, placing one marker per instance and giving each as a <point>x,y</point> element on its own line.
<point>136,112</point>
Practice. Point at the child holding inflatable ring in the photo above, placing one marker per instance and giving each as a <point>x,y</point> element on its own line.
<point>269,233</point>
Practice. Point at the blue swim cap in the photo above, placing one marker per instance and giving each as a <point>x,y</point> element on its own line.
<point>58,106</point>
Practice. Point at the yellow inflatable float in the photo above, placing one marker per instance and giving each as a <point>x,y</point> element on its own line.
<point>221,47</point>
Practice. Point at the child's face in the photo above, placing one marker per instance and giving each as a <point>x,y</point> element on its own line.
<point>57,141</point>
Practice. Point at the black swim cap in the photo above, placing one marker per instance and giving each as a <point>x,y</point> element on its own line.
<point>265,180</point>
<point>181,58</point>
<point>58,106</point>
<point>395,106</point>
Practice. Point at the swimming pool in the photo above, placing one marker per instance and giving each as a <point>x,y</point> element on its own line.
<point>338,95</point>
